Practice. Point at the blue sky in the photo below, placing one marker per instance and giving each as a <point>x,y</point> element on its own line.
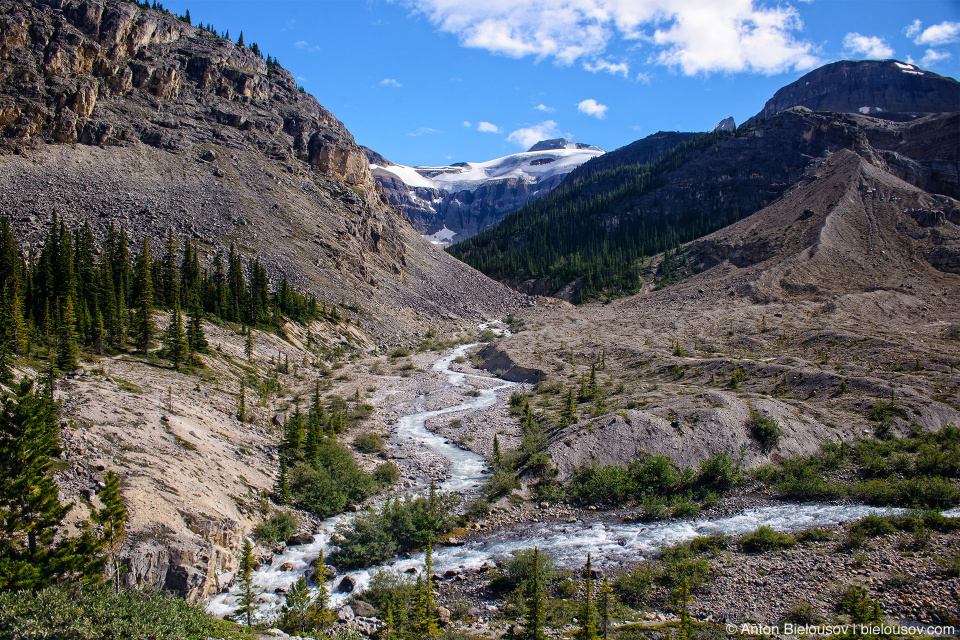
<point>437,81</point>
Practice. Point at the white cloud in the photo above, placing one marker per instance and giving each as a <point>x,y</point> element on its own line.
<point>691,35</point>
<point>423,131</point>
<point>529,136</point>
<point>487,127</point>
<point>867,46</point>
<point>613,68</point>
<point>644,77</point>
<point>544,108</point>
<point>390,82</point>
<point>932,56</point>
<point>592,108</point>
<point>300,44</point>
<point>935,35</point>
<point>467,124</point>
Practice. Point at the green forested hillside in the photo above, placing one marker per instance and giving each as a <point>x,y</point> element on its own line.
<point>592,229</point>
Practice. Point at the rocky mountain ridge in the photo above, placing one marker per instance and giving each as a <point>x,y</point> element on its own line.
<point>882,88</point>
<point>460,200</point>
<point>110,112</point>
<point>707,181</point>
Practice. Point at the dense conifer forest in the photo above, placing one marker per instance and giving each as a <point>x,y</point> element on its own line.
<point>72,296</point>
<point>569,235</point>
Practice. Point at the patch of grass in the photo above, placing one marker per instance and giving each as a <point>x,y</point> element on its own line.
<point>126,385</point>
<point>766,539</point>
<point>814,534</point>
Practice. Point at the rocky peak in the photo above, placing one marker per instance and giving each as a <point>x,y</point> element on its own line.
<point>727,124</point>
<point>559,143</point>
<point>868,87</point>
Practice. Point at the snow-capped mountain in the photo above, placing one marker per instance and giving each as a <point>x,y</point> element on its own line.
<point>449,204</point>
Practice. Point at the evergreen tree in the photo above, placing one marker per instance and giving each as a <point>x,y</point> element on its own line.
<point>497,454</point>
<point>143,330</point>
<point>13,327</point>
<point>248,590</point>
<point>293,435</point>
<point>606,605</point>
<point>282,490</point>
<point>240,40</point>
<point>321,616</point>
<point>242,401</point>
<point>248,345</point>
<point>67,351</point>
<point>97,331</point>
<point>113,520</point>
<point>32,555</point>
<point>170,276</point>
<point>588,612</point>
<point>196,339</point>
<point>569,412</point>
<point>533,603</point>
<point>389,630</point>
<point>295,615</point>
<point>424,608</point>
<point>176,340</point>
<point>6,372</point>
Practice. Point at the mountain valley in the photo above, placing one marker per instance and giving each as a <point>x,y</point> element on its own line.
<point>722,367</point>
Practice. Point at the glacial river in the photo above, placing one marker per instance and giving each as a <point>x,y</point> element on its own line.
<point>568,543</point>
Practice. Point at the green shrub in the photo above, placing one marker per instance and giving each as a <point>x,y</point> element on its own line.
<point>654,507</point>
<point>852,540</point>
<point>719,472</point>
<point>855,601</point>
<point>601,485</point>
<point>330,482</point>
<point>884,409</point>
<point>387,474</point>
<point>279,526</point>
<point>765,430</point>
<point>710,544</point>
<point>803,613</point>
<point>95,611</point>
<point>814,534</point>
<point>633,587</point>
<point>389,589</point>
<point>518,570</point>
<point>692,572</point>
<point>502,482</point>
<point>400,352</point>
<point>368,442</point>
<point>917,493</point>
<point>397,526</point>
<point>766,539</point>
<point>873,526</point>
<point>478,509</point>
<point>684,507</point>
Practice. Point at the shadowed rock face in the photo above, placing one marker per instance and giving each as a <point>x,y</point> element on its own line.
<point>874,87</point>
